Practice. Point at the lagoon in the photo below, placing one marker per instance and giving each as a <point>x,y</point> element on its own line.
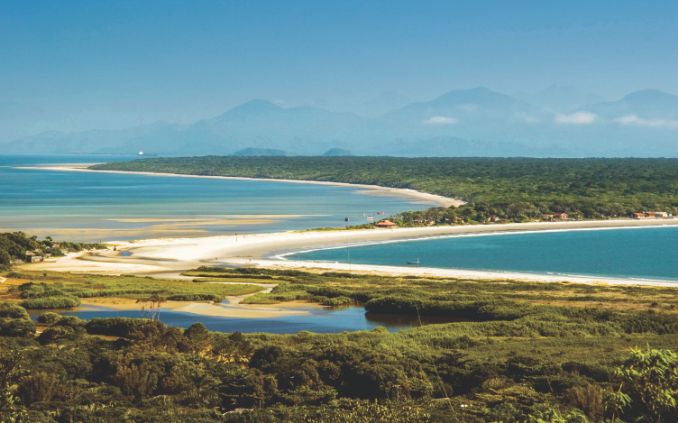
<point>319,320</point>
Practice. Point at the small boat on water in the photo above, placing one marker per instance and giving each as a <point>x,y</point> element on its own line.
<point>414,263</point>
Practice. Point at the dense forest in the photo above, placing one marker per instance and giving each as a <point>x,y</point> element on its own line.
<point>495,189</point>
<point>15,246</point>
<point>509,352</point>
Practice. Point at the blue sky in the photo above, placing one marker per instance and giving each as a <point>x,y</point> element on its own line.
<point>108,64</point>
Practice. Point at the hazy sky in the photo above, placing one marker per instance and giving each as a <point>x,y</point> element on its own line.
<point>107,64</point>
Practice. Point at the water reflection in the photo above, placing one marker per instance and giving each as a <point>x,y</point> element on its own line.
<point>323,320</point>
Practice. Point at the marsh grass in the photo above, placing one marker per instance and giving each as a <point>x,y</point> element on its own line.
<point>39,285</point>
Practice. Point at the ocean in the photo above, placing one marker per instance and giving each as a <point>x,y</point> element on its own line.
<point>642,253</point>
<point>98,206</point>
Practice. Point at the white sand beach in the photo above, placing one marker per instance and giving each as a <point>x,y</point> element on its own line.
<point>172,255</point>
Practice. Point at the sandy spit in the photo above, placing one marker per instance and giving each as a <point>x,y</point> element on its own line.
<point>173,255</point>
<point>365,189</point>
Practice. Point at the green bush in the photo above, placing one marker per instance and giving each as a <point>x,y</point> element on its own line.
<point>16,327</point>
<point>60,301</point>
<point>125,327</point>
<point>13,310</point>
<point>48,318</point>
<point>36,290</point>
<point>337,301</point>
<point>472,311</point>
<point>60,334</point>
<point>196,297</point>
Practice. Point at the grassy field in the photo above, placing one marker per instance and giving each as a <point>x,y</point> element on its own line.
<point>49,290</point>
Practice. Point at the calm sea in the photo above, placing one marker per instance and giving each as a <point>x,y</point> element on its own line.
<point>648,253</point>
<point>99,206</point>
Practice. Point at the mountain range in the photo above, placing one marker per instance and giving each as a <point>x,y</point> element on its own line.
<point>468,122</point>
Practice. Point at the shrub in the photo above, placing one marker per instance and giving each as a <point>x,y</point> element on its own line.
<point>71,321</point>
<point>195,297</point>
<point>61,301</point>
<point>38,387</point>
<point>60,333</point>
<point>49,318</point>
<point>13,310</point>
<point>336,301</point>
<point>473,311</point>
<point>125,327</point>
<point>34,290</point>
<point>16,327</point>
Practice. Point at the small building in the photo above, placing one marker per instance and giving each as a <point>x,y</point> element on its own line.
<point>561,216</point>
<point>385,224</point>
<point>651,215</point>
<point>493,219</point>
<point>553,217</point>
<point>33,257</point>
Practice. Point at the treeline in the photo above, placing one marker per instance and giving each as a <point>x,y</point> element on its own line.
<point>497,189</point>
<point>16,245</point>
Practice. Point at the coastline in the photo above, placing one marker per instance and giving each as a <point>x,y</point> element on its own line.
<point>439,200</point>
<point>170,256</point>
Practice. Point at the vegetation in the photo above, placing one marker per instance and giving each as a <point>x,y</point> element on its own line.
<point>47,290</point>
<point>14,246</point>
<point>499,351</point>
<point>511,189</point>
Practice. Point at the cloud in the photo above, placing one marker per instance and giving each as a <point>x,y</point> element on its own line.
<point>441,120</point>
<point>577,118</point>
<point>636,120</point>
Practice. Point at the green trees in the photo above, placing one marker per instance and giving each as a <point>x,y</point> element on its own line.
<point>14,245</point>
<point>14,321</point>
<point>649,387</point>
<point>504,189</point>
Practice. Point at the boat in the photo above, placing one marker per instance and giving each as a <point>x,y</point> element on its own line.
<point>414,263</point>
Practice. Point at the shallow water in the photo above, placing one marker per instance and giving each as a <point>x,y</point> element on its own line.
<point>99,206</point>
<point>320,320</point>
<point>647,253</point>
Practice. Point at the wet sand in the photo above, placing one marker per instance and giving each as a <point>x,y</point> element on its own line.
<point>230,310</point>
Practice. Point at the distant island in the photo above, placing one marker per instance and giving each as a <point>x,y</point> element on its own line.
<point>494,189</point>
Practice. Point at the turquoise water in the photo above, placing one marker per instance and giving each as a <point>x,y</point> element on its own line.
<point>99,206</point>
<point>648,253</point>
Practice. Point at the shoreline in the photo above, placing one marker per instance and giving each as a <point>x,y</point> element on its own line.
<point>173,255</point>
<point>439,200</point>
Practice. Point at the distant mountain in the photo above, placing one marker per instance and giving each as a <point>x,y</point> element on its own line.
<point>249,152</point>
<point>560,98</point>
<point>337,152</point>
<point>463,102</point>
<point>382,103</point>
<point>646,103</point>
<point>477,121</point>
